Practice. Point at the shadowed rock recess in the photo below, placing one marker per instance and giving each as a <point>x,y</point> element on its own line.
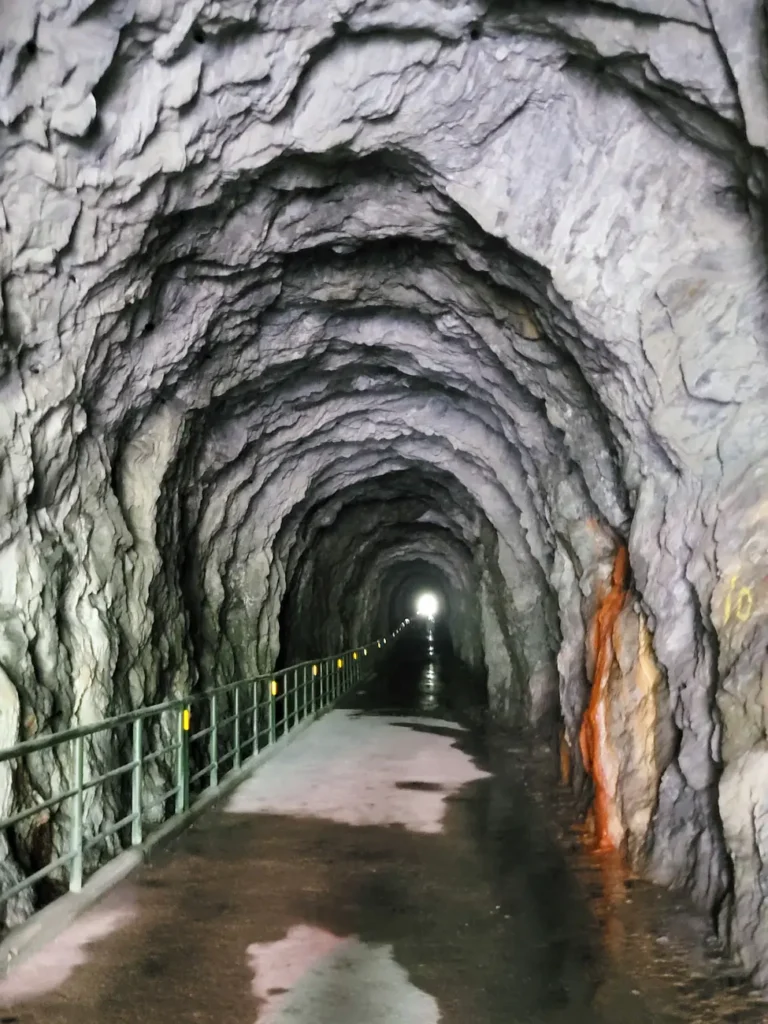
<point>308,304</point>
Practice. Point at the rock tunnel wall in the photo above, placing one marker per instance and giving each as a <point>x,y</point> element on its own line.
<point>296,293</point>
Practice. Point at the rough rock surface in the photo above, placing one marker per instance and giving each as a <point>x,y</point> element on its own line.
<point>304,301</point>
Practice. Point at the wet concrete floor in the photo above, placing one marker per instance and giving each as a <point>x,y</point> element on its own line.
<point>390,866</point>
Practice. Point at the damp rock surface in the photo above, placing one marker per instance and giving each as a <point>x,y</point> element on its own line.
<point>307,307</point>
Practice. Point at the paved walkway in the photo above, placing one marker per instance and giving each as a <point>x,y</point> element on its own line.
<point>372,873</point>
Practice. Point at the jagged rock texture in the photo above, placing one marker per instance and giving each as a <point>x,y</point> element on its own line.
<point>306,303</point>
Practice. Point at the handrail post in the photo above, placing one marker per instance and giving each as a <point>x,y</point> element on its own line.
<point>136,781</point>
<point>272,711</point>
<point>213,747</point>
<point>76,839</point>
<point>237,727</point>
<point>182,762</point>
<point>295,696</point>
<point>255,748</point>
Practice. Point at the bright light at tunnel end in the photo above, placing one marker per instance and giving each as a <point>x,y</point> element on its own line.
<point>427,605</point>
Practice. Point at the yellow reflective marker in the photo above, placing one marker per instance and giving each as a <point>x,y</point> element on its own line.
<point>340,663</point>
<point>355,656</point>
<point>274,687</point>
<point>379,643</point>
<point>185,720</point>
<point>314,670</point>
<point>365,651</point>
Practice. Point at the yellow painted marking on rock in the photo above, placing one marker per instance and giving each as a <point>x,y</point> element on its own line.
<point>744,602</point>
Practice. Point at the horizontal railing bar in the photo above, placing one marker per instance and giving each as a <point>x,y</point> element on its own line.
<point>57,738</point>
<point>157,754</point>
<point>23,815</point>
<point>25,883</point>
<point>198,775</point>
<point>161,799</point>
<point>110,831</point>
<point>121,770</point>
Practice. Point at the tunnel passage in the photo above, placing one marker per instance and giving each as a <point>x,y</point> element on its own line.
<point>359,559</point>
<point>290,300</point>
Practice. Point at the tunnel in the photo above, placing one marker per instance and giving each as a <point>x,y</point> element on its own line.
<point>310,307</point>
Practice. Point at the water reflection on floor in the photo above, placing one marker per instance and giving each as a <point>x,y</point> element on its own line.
<point>430,687</point>
<point>653,953</point>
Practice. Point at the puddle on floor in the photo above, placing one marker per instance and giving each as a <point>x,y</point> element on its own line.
<point>355,769</point>
<point>50,967</point>
<point>645,932</point>
<point>314,977</point>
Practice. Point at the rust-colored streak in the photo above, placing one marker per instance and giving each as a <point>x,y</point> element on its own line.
<point>592,736</point>
<point>565,759</point>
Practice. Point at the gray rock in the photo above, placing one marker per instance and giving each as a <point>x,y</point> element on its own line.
<point>75,121</point>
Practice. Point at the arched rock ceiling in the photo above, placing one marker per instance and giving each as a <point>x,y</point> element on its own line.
<point>265,264</point>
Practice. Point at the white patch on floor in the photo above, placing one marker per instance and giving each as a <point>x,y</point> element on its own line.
<point>347,767</point>
<point>52,965</point>
<point>332,980</point>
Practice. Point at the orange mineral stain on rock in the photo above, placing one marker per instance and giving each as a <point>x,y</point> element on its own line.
<point>593,737</point>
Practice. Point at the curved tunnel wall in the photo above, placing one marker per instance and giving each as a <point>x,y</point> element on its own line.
<point>263,264</point>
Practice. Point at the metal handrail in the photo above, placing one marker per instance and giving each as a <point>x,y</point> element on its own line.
<point>239,720</point>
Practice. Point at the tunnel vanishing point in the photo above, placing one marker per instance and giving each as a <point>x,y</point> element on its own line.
<point>307,303</point>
